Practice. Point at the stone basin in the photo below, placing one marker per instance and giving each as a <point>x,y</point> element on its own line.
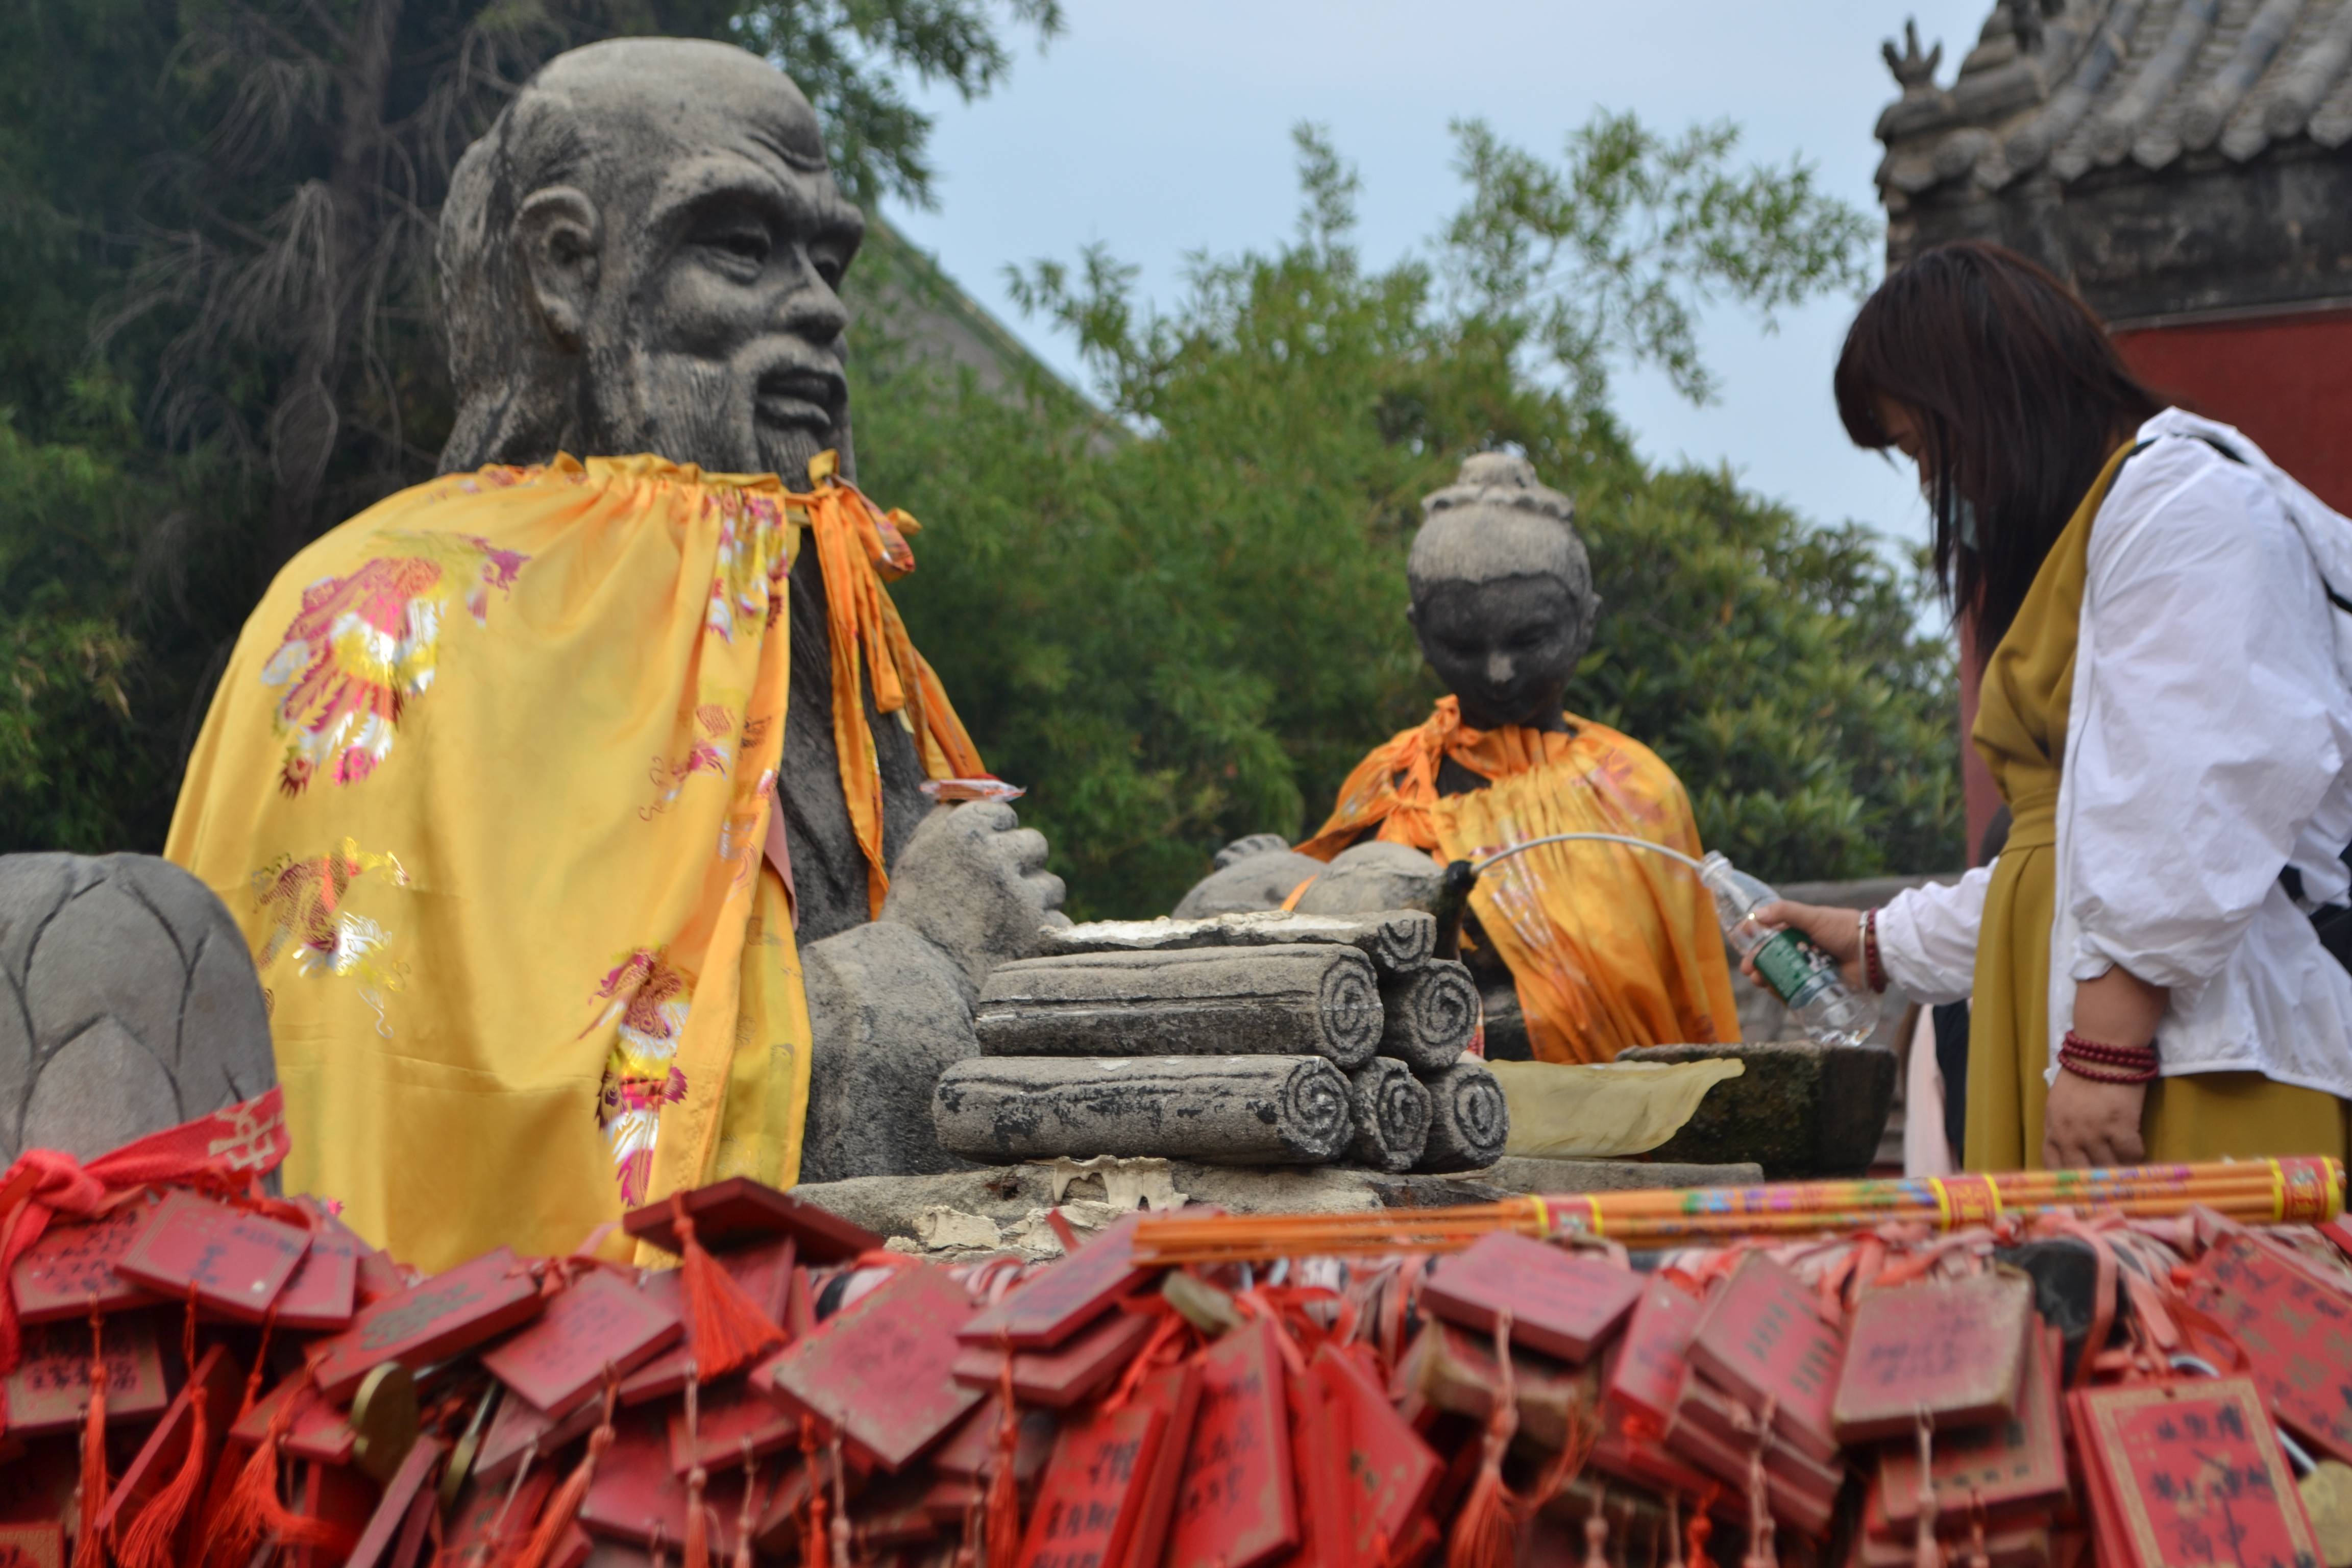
<point>1801,1111</point>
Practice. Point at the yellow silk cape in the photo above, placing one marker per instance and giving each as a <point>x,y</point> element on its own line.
<point>486,786</point>
<point>1607,946</point>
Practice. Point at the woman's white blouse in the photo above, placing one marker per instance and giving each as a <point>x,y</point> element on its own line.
<point>2206,745</point>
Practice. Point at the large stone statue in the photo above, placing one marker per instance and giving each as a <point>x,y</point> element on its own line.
<point>1580,950</point>
<point>571,801</point>
<point>643,254</point>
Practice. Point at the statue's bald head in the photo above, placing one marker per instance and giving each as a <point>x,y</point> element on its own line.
<point>641,254</point>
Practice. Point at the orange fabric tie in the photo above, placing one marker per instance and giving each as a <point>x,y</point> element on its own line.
<point>861,548</point>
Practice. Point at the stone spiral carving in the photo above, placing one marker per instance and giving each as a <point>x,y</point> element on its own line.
<point>1430,1016</point>
<point>1293,1000</point>
<point>1469,1120</point>
<point>1350,1003</point>
<point>128,1003</point>
<point>1232,1110</point>
<point>1392,1112</point>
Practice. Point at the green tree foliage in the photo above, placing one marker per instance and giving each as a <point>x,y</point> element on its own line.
<point>1184,621</point>
<point>223,211</point>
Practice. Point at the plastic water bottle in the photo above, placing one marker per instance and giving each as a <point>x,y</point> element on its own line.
<point>1804,976</point>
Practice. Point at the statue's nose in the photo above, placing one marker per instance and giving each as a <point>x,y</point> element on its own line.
<point>812,309</point>
<point>1499,668</point>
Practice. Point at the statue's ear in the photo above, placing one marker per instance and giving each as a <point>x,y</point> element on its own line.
<point>558,236</point>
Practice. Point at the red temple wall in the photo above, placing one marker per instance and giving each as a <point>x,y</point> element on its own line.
<point>2286,381</point>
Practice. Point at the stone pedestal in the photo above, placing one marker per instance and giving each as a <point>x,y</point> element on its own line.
<point>1008,1196</point>
<point>1800,1110</point>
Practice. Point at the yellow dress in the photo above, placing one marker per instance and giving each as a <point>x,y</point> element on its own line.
<point>1608,947</point>
<point>487,785</point>
<point>2020,732</point>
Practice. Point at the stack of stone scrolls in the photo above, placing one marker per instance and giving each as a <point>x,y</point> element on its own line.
<point>1266,1038</point>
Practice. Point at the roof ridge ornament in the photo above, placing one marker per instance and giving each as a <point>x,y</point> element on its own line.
<point>1914,72</point>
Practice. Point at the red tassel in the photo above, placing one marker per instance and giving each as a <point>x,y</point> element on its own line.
<point>813,1523</point>
<point>1001,1532</point>
<point>1487,1530</point>
<point>89,1550</point>
<point>725,1328</point>
<point>148,1543</point>
<point>1696,1533</point>
<point>564,1506</point>
<point>253,1513</point>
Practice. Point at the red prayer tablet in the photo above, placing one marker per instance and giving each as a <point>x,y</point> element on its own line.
<point>1236,1507</point>
<point>740,1210</point>
<point>1560,1303</point>
<point>50,1387</point>
<point>1066,1375</point>
<point>1645,1366</point>
<point>1062,1297</point>
<point>1094,1491</point>
<point>69,1272</point>
<point>1955,1349</point>
<point>882,1370</point>
<point>2190,1472</point>
<point>1175,1393</point>
<point>2015,1466</point>
<point>2297,1331</point>
<point>1391,1470</point>
<point>1761,1337</point>
<point>599,1320</point>
<point>236,1262</point>
<point>431,1321</point>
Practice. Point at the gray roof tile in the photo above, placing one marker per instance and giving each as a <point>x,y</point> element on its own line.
<point>2107,81</point>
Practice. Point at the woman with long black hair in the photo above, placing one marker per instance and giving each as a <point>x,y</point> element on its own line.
<point>2165,620</point>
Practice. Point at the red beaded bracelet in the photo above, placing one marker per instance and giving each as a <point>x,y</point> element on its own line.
<point>1873,973</point>
<point>2094,1075</point>
<point>2102,1063</point>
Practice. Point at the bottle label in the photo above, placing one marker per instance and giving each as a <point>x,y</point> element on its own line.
<point>1794,967</point>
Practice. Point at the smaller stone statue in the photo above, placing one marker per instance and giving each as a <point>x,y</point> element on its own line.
<point>1580,950</point>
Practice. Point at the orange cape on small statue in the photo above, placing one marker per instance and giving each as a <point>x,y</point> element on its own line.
<point>1607,946</point>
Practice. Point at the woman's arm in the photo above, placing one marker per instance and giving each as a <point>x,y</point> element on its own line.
<point>1926,936</point>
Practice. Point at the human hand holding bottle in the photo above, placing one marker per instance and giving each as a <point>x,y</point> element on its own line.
<point>1835,932</point>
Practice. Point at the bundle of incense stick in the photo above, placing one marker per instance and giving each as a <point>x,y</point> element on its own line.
<point>2257,1192</point>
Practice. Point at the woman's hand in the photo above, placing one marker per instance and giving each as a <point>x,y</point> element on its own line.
<point>1835,932</point>
<point>2087,1124</point>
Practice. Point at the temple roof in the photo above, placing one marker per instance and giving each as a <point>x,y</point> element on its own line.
<point>2063,88</point>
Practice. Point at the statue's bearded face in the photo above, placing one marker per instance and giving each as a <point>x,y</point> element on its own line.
<point>714,332</point>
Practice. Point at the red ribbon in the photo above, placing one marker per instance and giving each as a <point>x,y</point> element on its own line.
<point>226,1151</point>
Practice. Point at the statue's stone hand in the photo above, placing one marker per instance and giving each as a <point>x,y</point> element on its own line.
<point>974,882</point>
<point>890,1000</point>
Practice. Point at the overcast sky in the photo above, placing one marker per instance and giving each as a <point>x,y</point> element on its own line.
<point>1161,129</point>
